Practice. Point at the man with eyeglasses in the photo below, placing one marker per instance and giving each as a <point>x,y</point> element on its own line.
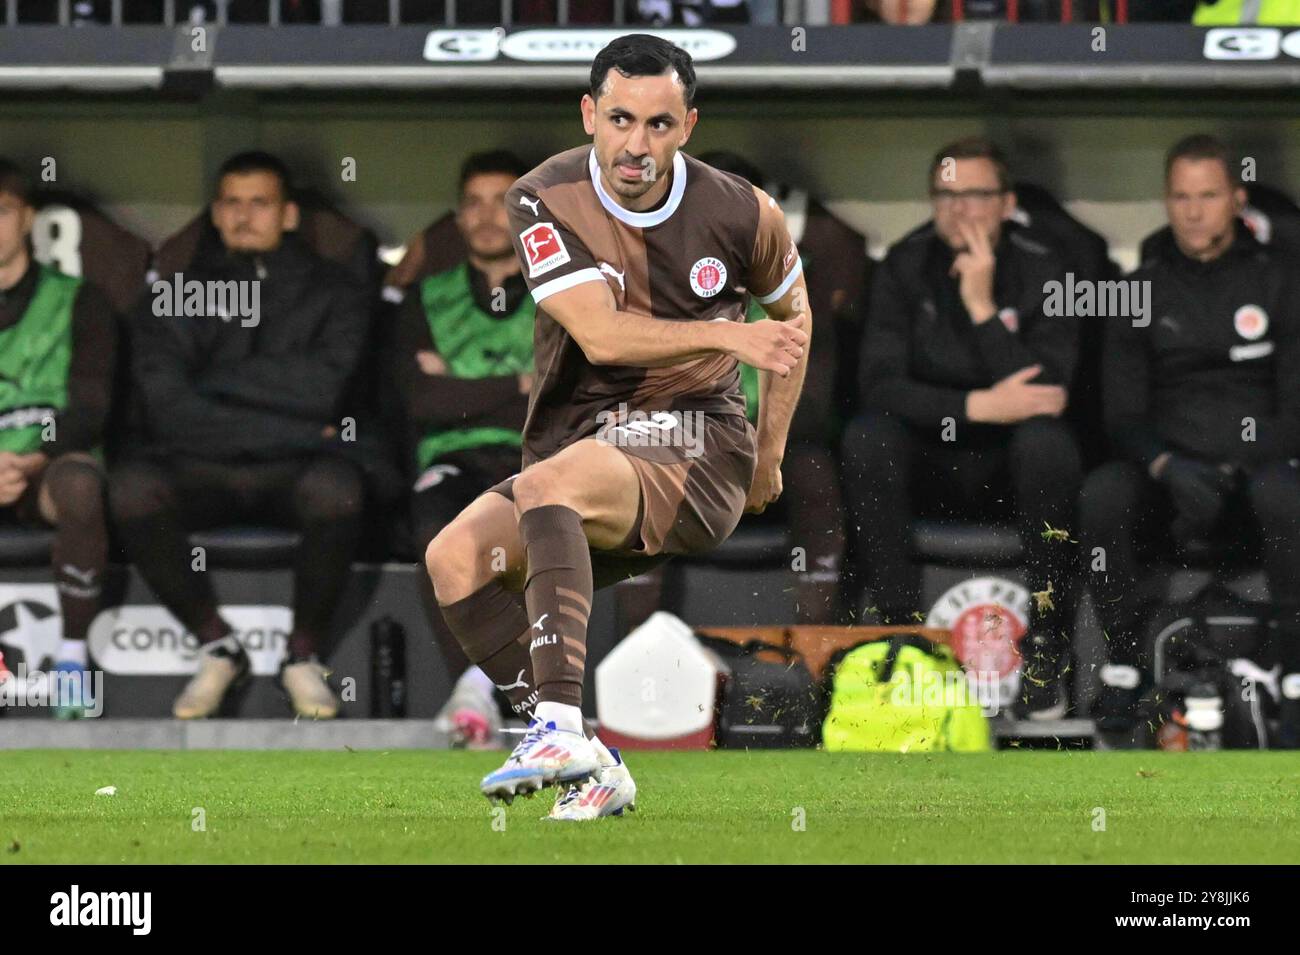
<point>964,380</point>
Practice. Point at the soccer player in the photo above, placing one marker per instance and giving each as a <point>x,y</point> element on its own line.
<point>57,341</point>
<point>636,447</point>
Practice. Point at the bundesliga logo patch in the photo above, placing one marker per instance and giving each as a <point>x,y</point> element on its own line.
<point>708,275</point>
<point>543,247</point>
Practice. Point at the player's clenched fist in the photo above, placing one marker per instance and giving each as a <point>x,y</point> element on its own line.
<point>766,486</point>
<point>770,345</point>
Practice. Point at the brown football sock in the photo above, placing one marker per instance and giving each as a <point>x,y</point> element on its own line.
<point>80,551</point>
<point>558,594</point>
<point>492,626</point>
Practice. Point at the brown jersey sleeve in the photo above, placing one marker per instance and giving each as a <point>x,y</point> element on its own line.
<point>775,263</point>
<point>554,258</point>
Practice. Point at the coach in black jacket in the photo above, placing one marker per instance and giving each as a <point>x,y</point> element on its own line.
<point>1203,407</point>
<point>964,381</point>
<point>242,367</point>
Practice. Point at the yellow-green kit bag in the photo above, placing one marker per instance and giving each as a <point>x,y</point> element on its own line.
<point>904,694</point>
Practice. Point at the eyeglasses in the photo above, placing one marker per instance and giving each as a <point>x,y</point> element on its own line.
<point>948,197</point>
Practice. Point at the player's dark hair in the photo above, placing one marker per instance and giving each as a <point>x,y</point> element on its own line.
<point>1200,146</point>
<point>640,54</point>
<point>493,161</point>
<point>14,182</point>
<point>256,160</point>
<point>734,163</point>
<point>974,147</point>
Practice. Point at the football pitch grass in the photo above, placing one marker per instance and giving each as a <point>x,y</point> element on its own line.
<point>423,806</point>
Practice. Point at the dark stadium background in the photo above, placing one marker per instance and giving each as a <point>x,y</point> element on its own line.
<point>138,122</point>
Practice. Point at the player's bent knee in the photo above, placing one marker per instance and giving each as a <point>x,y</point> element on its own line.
<point>459,564</point>
<point>447,553</point>
<point>539,486</point>
<point>75,485</point>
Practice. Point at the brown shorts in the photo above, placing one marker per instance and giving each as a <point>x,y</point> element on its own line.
<point>694,471</point>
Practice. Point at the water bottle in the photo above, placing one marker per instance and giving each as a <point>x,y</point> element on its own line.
<point>387,669</point>
<point>1204,717</point>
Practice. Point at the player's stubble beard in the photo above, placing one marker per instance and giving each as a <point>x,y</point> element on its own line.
<point>650,176</point>
<point>247,240</point>
<point>490,244</point>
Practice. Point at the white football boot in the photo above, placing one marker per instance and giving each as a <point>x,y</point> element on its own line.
<point>546,756</point>
<point>607,793</point>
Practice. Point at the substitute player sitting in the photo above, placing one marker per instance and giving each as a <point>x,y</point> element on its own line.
<point>636,447</point>
<point>57,342</point>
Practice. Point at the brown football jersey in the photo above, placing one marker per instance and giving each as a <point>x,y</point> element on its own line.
<point>714,241</point>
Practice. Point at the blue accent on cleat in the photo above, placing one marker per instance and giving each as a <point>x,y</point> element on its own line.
<point>73,676</point>
<point>506,775</point>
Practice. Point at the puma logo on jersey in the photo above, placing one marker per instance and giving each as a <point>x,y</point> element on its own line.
<point>607,269</point>
<point>530,203</point>
<point>518,684</point>
<point>538,624</point>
